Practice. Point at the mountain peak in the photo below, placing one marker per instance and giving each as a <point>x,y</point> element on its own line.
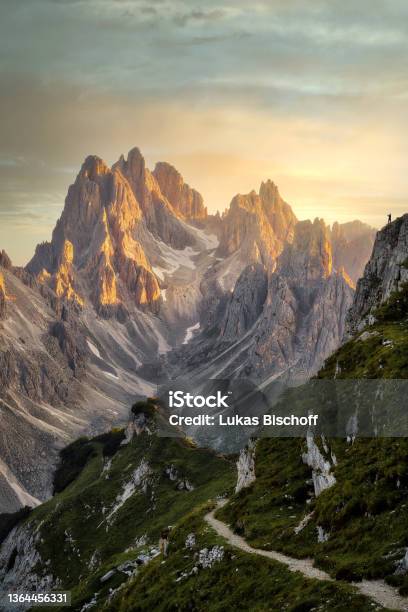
<point>5,261</point>
<point>310,253</point>
<point>185,200</point>
<point>93,167</point>
<point>268,190</point>
<point>385,272</point>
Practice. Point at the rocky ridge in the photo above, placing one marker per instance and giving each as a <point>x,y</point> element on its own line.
<point>277,324</point>
<point>385,272</point>
<point>257,225</point>
<point>3,297</point>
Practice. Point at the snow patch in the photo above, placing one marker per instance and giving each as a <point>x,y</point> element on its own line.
<point>190,332</point>
<point>115,376</point>
<point>93,349</point>
<point>175,259</point>
<point>159,272</point>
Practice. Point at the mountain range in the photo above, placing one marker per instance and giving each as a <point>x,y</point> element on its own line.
<point>140,284</point>
<point>332,510</point>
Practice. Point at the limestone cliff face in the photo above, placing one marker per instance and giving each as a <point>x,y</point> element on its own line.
<point>321,465</point>
<point>3,305</point>
<point>5,261</point>
<point>386,271</point>
<point>309,257</point>
<point>303,318</point>
<point>246,302</point>
<point>161,215</point>
<point>63,281</point>
<point>352,244</point>
<point>284,324</point>
<point>257,225</point>
<point>246,466</point>
<point>277,211</point>
<point>185,201</point>
<point>97,244</point>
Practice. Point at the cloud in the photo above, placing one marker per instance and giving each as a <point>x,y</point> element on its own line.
<point>311,94</point>
<point>200,16</point>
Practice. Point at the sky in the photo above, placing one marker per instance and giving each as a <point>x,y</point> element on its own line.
<point>311,94</point>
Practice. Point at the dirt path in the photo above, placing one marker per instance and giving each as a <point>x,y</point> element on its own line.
<point>377,590</point>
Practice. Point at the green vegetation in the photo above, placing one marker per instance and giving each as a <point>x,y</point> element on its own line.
<point>113,502</point>
<point>9,520</point>
<point>381,351</point>
<point>365,513</point>
<point>239,581</point>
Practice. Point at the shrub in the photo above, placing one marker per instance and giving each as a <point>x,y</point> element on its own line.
<point>73,459</point>
<point>9,521</point>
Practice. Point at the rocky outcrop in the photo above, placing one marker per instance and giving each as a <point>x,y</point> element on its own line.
<point>352,244</point>
<point>246,466</point>
<point>279,214</point>
<point>161,216</point>
<point>63,280</point>
<point>3,303</point>
<point>19,558</point>
<point>257,225</point>
<point>322,475</point>
<point>309,257</point>
<point>5,261</point>
<point>296,315</point>
<point>246,302</point>
<point>386,272</point>
<point>97,243</point>
<point>186,201</point>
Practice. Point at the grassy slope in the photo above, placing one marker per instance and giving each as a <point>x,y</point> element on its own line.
<point>239,581</point>
<point>73,526</point>
<point>366,511</point>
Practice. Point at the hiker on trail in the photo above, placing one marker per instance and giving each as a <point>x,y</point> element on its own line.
<point>164,541</point>
<point>389,217</point>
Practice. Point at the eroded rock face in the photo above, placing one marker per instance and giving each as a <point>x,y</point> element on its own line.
<point>352,244</point>
<point>385,272</point>
<point>246,466</point>
<point>161,216</point>
<point>97,243</point>
<point>5,261</point>
<point>309,257</point>
<point>3,305</point>
<point>246,302</point>
<point>257,225</point>
<point>321,467</point>
<point>304,315</point>
<point>18,560</point>
<point>296,315</point>
<point>185,200</point>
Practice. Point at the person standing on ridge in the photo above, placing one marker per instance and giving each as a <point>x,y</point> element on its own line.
<point>164,541</point>
<point>389,217</point>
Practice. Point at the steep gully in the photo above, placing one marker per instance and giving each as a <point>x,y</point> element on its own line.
<point>377,590</point>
